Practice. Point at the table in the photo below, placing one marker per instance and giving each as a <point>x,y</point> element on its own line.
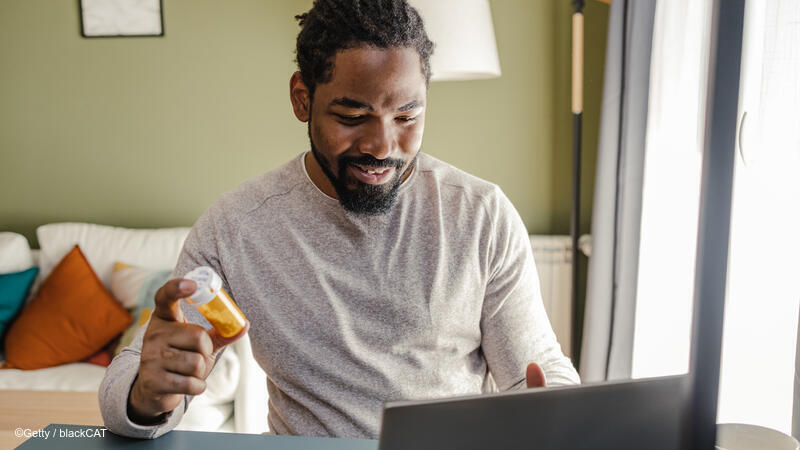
<point>69,437</point>
<point>33,410</point>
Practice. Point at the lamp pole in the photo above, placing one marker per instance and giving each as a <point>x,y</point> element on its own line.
<point>577,117</point>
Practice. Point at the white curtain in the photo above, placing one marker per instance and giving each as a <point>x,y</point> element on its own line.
<point>763,294</point>
<point>611,285</point>
<point>671,188</point>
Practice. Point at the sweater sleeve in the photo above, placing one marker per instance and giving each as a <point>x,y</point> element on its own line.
<point>514,324</point>
<point>199,249</point>
<point>115,390</point>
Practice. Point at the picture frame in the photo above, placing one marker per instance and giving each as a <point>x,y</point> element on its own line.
<point>121,18</point>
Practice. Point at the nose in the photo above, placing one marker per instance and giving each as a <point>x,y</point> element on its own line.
<point>378,140</point>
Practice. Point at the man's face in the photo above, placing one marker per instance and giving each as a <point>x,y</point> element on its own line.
<point>366,126</point>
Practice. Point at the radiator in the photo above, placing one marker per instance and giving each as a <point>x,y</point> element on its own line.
<point>553,256</point>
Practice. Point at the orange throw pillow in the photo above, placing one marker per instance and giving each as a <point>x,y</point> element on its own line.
<point>71,318</point>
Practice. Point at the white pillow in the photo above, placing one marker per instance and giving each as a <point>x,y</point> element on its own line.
<point>15,253</point>
<point>103,245</point>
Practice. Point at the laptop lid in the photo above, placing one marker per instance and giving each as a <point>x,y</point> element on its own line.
<point>642,413</point>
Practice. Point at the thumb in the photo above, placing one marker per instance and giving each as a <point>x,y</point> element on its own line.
<point>167,299</point>
<point>219,342</point>
<point>534,376</point>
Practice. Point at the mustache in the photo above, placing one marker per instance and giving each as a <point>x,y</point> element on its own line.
<point>371,161</point>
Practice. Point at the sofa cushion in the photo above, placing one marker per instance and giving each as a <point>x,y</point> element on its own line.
<point>13,291</point>
<point>136,287</point>
<point>15,253</point>
<point>70,318</point>
<point>104,245</point>
<point>75,377</point>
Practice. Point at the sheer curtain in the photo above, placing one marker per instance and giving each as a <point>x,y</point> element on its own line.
<point>761,311</point>
<point>671,188</point>
<point>763,295</point>
<point>611,285</point>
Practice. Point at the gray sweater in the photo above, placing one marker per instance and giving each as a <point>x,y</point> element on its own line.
<point>439,297</point>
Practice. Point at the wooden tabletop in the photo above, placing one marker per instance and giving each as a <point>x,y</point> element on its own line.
<point>32,410</point>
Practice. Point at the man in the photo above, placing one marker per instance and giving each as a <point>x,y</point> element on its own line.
<point>369,271</point>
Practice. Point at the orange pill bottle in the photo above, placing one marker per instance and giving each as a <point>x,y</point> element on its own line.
<point>214,303</point>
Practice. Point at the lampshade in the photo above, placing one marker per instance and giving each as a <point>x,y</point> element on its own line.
<point>464,36</point>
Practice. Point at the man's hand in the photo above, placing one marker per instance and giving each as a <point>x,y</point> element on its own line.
<point>176,356</point>
<point>534,376</point>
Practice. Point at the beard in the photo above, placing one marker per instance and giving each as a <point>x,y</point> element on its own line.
<point>355,195</point>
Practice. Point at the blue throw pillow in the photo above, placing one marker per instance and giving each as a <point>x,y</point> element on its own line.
<point>14,289</point>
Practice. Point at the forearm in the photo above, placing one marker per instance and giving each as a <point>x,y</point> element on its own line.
<point>515,327</point>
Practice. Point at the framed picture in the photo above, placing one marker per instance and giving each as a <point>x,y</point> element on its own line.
<point>121,18</point>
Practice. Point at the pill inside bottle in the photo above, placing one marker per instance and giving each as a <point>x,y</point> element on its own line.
<point>214,303</point>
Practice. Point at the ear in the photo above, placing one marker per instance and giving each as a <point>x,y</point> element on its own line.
<point>300,97</point>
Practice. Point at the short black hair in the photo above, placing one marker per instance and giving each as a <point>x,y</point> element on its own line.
<point>334,25</point>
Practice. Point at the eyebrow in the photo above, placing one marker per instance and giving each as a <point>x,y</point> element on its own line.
<point>355,104</point>
<point>410,105</point>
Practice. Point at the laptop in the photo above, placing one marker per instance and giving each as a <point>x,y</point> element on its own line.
<point>637,414</point>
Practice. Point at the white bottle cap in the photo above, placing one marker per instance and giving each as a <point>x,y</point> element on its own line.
<point>208,285</point>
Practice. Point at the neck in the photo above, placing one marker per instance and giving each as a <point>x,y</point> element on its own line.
<point>318,177</point>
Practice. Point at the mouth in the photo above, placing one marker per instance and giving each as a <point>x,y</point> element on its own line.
<point>371,175</point>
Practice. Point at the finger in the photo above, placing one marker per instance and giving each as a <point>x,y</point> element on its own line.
<point>168,296</point>
<point>181,362</point>
<point>149,405</point>
<point>191,337</point>
<point>173,383</point>
<point>534,376</point>
<point>220,342</point>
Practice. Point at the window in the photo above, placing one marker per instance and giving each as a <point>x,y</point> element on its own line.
<point>763,294</point>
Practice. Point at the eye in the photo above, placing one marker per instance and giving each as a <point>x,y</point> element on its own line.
<point>405,119</point>
<point>350,119</point>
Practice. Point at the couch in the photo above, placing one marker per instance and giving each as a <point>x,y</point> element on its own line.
<point>236,397</point>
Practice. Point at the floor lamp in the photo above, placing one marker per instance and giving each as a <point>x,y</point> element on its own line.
<point>577,129</point>
<point>577,122</point>
<point>463,35</point>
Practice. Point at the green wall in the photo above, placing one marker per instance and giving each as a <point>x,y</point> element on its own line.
<point>147,132</point>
